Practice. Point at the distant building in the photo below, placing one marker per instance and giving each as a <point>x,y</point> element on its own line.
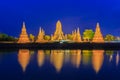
<point>98,37</point>
<point>59,35</point>
<point>40,37</point>
<point>76,36</point>
<point>23,36</point>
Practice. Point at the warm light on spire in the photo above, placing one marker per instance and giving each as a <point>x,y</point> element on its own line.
<point>23,36</point>
<point>40,37</point>
<point>76,35</point>
<point>58,35</point>
<point>98,37</point>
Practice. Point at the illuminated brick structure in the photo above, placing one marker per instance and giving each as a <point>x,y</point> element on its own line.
<point>98,37</point>
<point>40,37</point>
<point>58,35</point>
<point>23,36</point>
<point>76,36</point>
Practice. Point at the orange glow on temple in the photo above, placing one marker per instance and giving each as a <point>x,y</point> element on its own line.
<point>76,36</point>
<point>40,37</point>
<point>58,35</point>
<point>98,37</point>
<point>23,36</point>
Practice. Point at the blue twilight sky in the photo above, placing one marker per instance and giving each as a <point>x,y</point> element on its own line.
<point>72,13</point>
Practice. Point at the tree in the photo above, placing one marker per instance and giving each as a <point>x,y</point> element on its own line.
<point>109,37</point>
<point>32,37</point>
<point>88,34</point>
<point>5,37</point>
<point>69,36</point>
<point>47,37</point>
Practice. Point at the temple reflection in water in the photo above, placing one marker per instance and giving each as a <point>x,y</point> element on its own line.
<point>40,57</point>
<point>86,57</point>
<point>97,59</point>
<point>24,58</point>
<point>76,58</point>
<point>59,58</point>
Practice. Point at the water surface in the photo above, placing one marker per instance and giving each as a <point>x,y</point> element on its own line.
<point>26,64</point>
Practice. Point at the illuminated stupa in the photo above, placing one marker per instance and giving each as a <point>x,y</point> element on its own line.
<point>98,37</point>
<point>40,37</point>
<point>76,36</point>
<point>58,35</point>
<point>23,36</point>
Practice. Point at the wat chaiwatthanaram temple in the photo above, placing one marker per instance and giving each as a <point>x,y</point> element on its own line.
<point>59,35</point>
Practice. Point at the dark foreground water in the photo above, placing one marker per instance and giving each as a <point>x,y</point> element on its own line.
<point>60,65</point>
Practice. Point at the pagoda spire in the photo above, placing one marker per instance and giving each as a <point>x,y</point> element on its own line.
<point>23,36</point>
<point>58,34</point>
<point>76,35</point>
<point>41,34</point>
<point>98,37</point>
<point>40,30</point>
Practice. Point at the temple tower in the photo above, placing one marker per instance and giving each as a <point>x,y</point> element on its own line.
<point>23,36</point>
<point>40,37</point>
<point>58,35</point>
<point>98,37</point>
<point>76,36</point>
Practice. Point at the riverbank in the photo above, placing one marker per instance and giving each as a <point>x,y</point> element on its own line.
<point>105,46</point>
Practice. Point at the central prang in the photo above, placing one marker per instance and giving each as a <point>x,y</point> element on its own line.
<point>58,35</point>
